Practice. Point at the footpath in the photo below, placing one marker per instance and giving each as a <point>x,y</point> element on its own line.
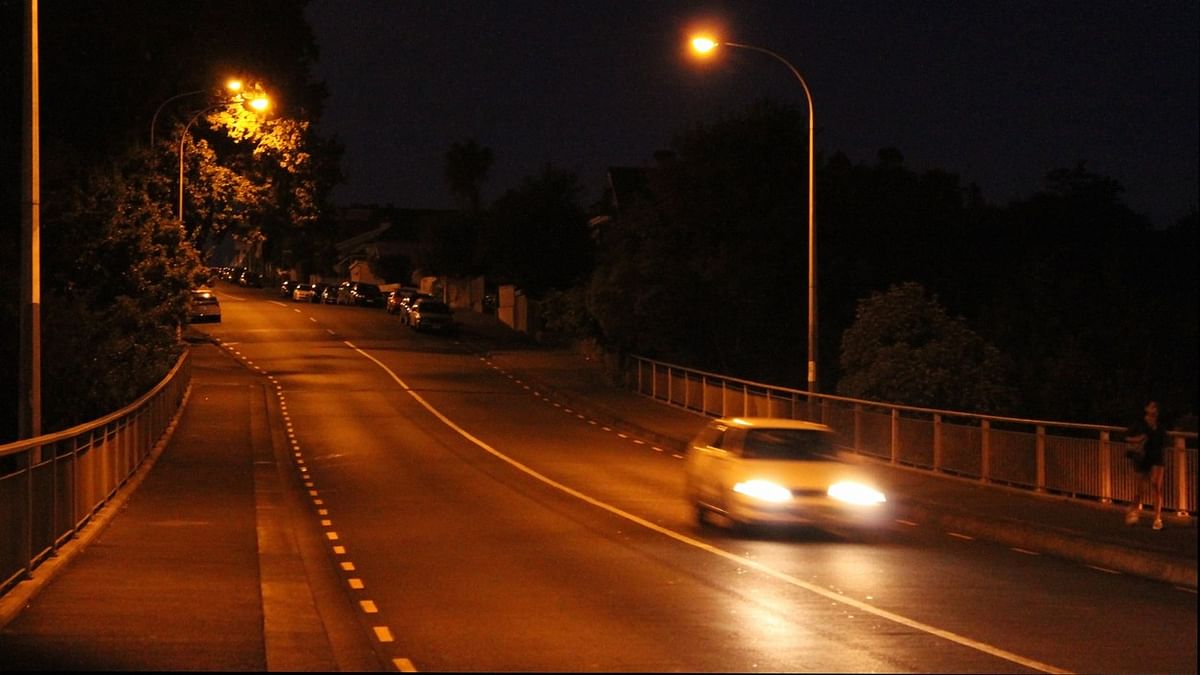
<point>199,562</point>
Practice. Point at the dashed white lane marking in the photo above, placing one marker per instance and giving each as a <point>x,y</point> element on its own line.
<point>368,607</point>
<point>956,535</point>
<point>404,665</point>
<point>384,634</point>
<point>1102,569</point>
<point>906,522</point>
<point>356,584</point>
<point>737,559</point>
<point>1023,550</point>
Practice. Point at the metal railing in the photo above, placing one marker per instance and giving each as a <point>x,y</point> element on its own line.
<point>1085,461</point>
<point>52,485</point>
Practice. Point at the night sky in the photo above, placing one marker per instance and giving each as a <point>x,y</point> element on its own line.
<point>997,92</point>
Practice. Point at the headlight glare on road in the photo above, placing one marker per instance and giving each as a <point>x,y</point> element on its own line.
<point>764,490</point>
<point>856,493</point>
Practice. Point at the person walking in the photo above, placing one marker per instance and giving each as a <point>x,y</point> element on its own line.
<point>1148,435</point>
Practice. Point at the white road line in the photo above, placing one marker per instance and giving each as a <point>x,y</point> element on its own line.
<point>704,546</point>
<point>1102,569</point>
<point>384,634</point>
<point>906,522</point>
<point>1023,550</point>
<point>368,607</point>
<point>404,665</point>
<point>961,536</point>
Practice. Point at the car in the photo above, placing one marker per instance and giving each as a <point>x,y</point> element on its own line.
<point>286,288</point>
<point>204,306</point>
<point>250,279</point>
<point>329,296</point>
<point>763,471</point>
<point>407,302</point>
<point>303,293</point>
<point>396,297</point>
<point>360,294</point>
<point>431,314</point>
<point>318,292</point>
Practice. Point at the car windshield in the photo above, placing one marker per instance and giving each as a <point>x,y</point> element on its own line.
<point>433,307</point>
<point>204,298</point>
<point>800,444</point>
<point>368,289</point>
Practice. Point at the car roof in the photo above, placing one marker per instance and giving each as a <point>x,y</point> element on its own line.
<point>770,423</point>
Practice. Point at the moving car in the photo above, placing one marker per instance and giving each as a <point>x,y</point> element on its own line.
<point>431,314</point>
<point>204,306</point>
<point>760,470</point>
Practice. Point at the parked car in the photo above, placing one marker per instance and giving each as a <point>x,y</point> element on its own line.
<point>360,294</point>
<point>250,279</point>
<point>286,288</point>
<point>318,292</point>
<point>204,306</point>
<point>397,296</point>
<point>407,302</point>
<point>754,470</point>
<point>329,296</point>
<point>302,293</point>
<point>431,314</point>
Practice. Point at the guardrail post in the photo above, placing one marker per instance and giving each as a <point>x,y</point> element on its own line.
<point>1182,507</point>
<point>1106,477</point>
<point>985,450</point>
<point>895,435</point>
<point>937,441</point>
<point>670,384</point>
<point>858,427</point>
<point>1040,458</point>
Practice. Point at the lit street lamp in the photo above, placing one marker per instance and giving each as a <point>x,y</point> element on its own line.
<point>705,45</point>
<point>259,104</point>
<point>233,85</point>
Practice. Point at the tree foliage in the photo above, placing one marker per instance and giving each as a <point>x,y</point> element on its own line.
<point>707,265</point>
<point>536,235</point>
<point>904,348</point>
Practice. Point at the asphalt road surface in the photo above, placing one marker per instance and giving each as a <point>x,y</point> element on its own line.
<point>478,526</point>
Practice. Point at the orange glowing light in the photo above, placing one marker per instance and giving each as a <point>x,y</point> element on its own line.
<point>703,44</point>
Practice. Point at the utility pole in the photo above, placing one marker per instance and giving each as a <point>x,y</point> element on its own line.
<point>29,424</point>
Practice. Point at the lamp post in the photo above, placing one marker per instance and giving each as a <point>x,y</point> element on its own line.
<point>260,104</point>
<point>704,45</point>
<point>233,85</point>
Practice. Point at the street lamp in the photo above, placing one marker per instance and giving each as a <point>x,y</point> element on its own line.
<point>258,103</point>
<point>233,85</point>
<point>704,45</point>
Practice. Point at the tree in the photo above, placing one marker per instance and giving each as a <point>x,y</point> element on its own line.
<point>536,235</point>
<point>467,167</point>
<point>707,267</point>
<point>120,270</point>
<point>903,348</point>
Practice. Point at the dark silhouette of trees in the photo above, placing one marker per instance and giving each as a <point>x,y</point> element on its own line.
<point>116,267</point>
<point>904,348</point>
<point>536,236</point>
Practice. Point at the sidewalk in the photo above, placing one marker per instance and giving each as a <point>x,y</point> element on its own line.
<point>196,563</point>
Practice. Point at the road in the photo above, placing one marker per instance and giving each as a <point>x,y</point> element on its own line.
<point>480,526</point>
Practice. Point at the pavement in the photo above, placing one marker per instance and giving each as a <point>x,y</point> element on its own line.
<point>203,562</point>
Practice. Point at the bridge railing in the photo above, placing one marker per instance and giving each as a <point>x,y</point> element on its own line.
<point>52,485</point>
<point>1085,461</point>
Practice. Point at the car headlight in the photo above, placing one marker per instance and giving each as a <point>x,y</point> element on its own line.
<point>856,493</point>
<point>764,490</point>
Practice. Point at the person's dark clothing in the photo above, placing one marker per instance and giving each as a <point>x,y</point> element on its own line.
<point>1153,449</point>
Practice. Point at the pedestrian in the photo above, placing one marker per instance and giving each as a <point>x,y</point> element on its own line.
<point>1149,439</point>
